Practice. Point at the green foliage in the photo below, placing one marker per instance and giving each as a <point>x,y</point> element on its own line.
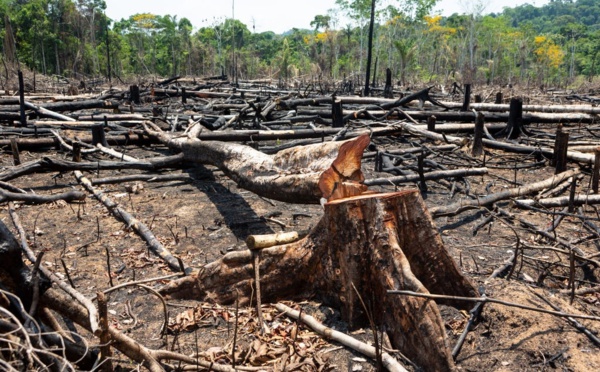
<point>554,43</point>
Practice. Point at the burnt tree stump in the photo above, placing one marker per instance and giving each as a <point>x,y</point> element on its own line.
<point>373,242</point>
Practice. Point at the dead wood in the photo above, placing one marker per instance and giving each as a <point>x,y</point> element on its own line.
<point>456,116</point>
<point>422,96</point>
<point>423,132</point>
<point>138,226</point>
<point>68,106</point>
<point>290,175</point>
<point>461,206</point>
<point>142,177</point>
<point>47,113</point>
<point>272,135</point>
<point>27,198</point>
<point>115,154</point>
<point>485,299</point>
<point>546,151</point>
<point>375,242</point>
<point>583,109</point>
<point>255,242</point>
<point>434,175</point>
<point>561,201</point>
<point>12,188</point>
<point>91,311</point>
<point>61,304</point>
<point>389,362</point>
<point>45,142</point>
<point>54,164</point>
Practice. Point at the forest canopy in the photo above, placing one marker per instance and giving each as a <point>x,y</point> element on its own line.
<point>553,44</point>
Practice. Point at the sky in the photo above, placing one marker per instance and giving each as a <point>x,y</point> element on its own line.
<point>270,15</point>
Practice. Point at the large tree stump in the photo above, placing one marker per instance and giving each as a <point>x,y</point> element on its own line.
<point>374,242</point>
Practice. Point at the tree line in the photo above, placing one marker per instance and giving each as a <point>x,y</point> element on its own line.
<point>555,44</point>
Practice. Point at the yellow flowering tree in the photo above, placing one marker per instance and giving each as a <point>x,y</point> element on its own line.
<point>548,56</point>
<point>438,36</point>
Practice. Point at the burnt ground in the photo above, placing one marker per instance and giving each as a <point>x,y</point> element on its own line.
<point>203,218</point>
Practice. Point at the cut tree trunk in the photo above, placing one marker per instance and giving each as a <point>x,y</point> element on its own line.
<point>291,175</point>
<point>362,247</point>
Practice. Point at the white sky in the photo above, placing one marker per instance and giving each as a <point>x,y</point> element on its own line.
<point>270,15</point>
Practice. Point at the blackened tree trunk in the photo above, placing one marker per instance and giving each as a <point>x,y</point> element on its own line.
<point>370,49</point>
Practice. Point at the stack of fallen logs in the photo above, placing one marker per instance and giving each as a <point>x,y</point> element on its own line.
<point>342,259</point>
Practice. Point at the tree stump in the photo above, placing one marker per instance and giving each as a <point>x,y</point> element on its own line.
<point>371,242</point>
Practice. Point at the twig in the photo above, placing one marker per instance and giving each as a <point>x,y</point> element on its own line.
<point>378,345</point>
<point>475,312</point>
<point>235,329</point>
<point>64,265</point>
<point>256,263</point>
<point>491,300</point>
<point>573,322</point>
<point>580,255</point>
<point>35,283</point>
<point>131,348</point>
<point>163,327</point>
<point>129,284</point>
<point>108,267</point>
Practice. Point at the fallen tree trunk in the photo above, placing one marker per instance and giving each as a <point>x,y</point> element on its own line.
<point>435,175</point>
<point>54,164</point>
<point>27,198</point>
<point>458,116</point>
<point>362,247</point>
<point>39,143</point>
<point>68,106</point>
<point>561,201</point>
<point>272,135</point>
<point>486,201</point>
<point>576,109</point>
<point>291,175</point>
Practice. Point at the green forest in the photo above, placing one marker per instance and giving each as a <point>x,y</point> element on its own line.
<point>557,44</point>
